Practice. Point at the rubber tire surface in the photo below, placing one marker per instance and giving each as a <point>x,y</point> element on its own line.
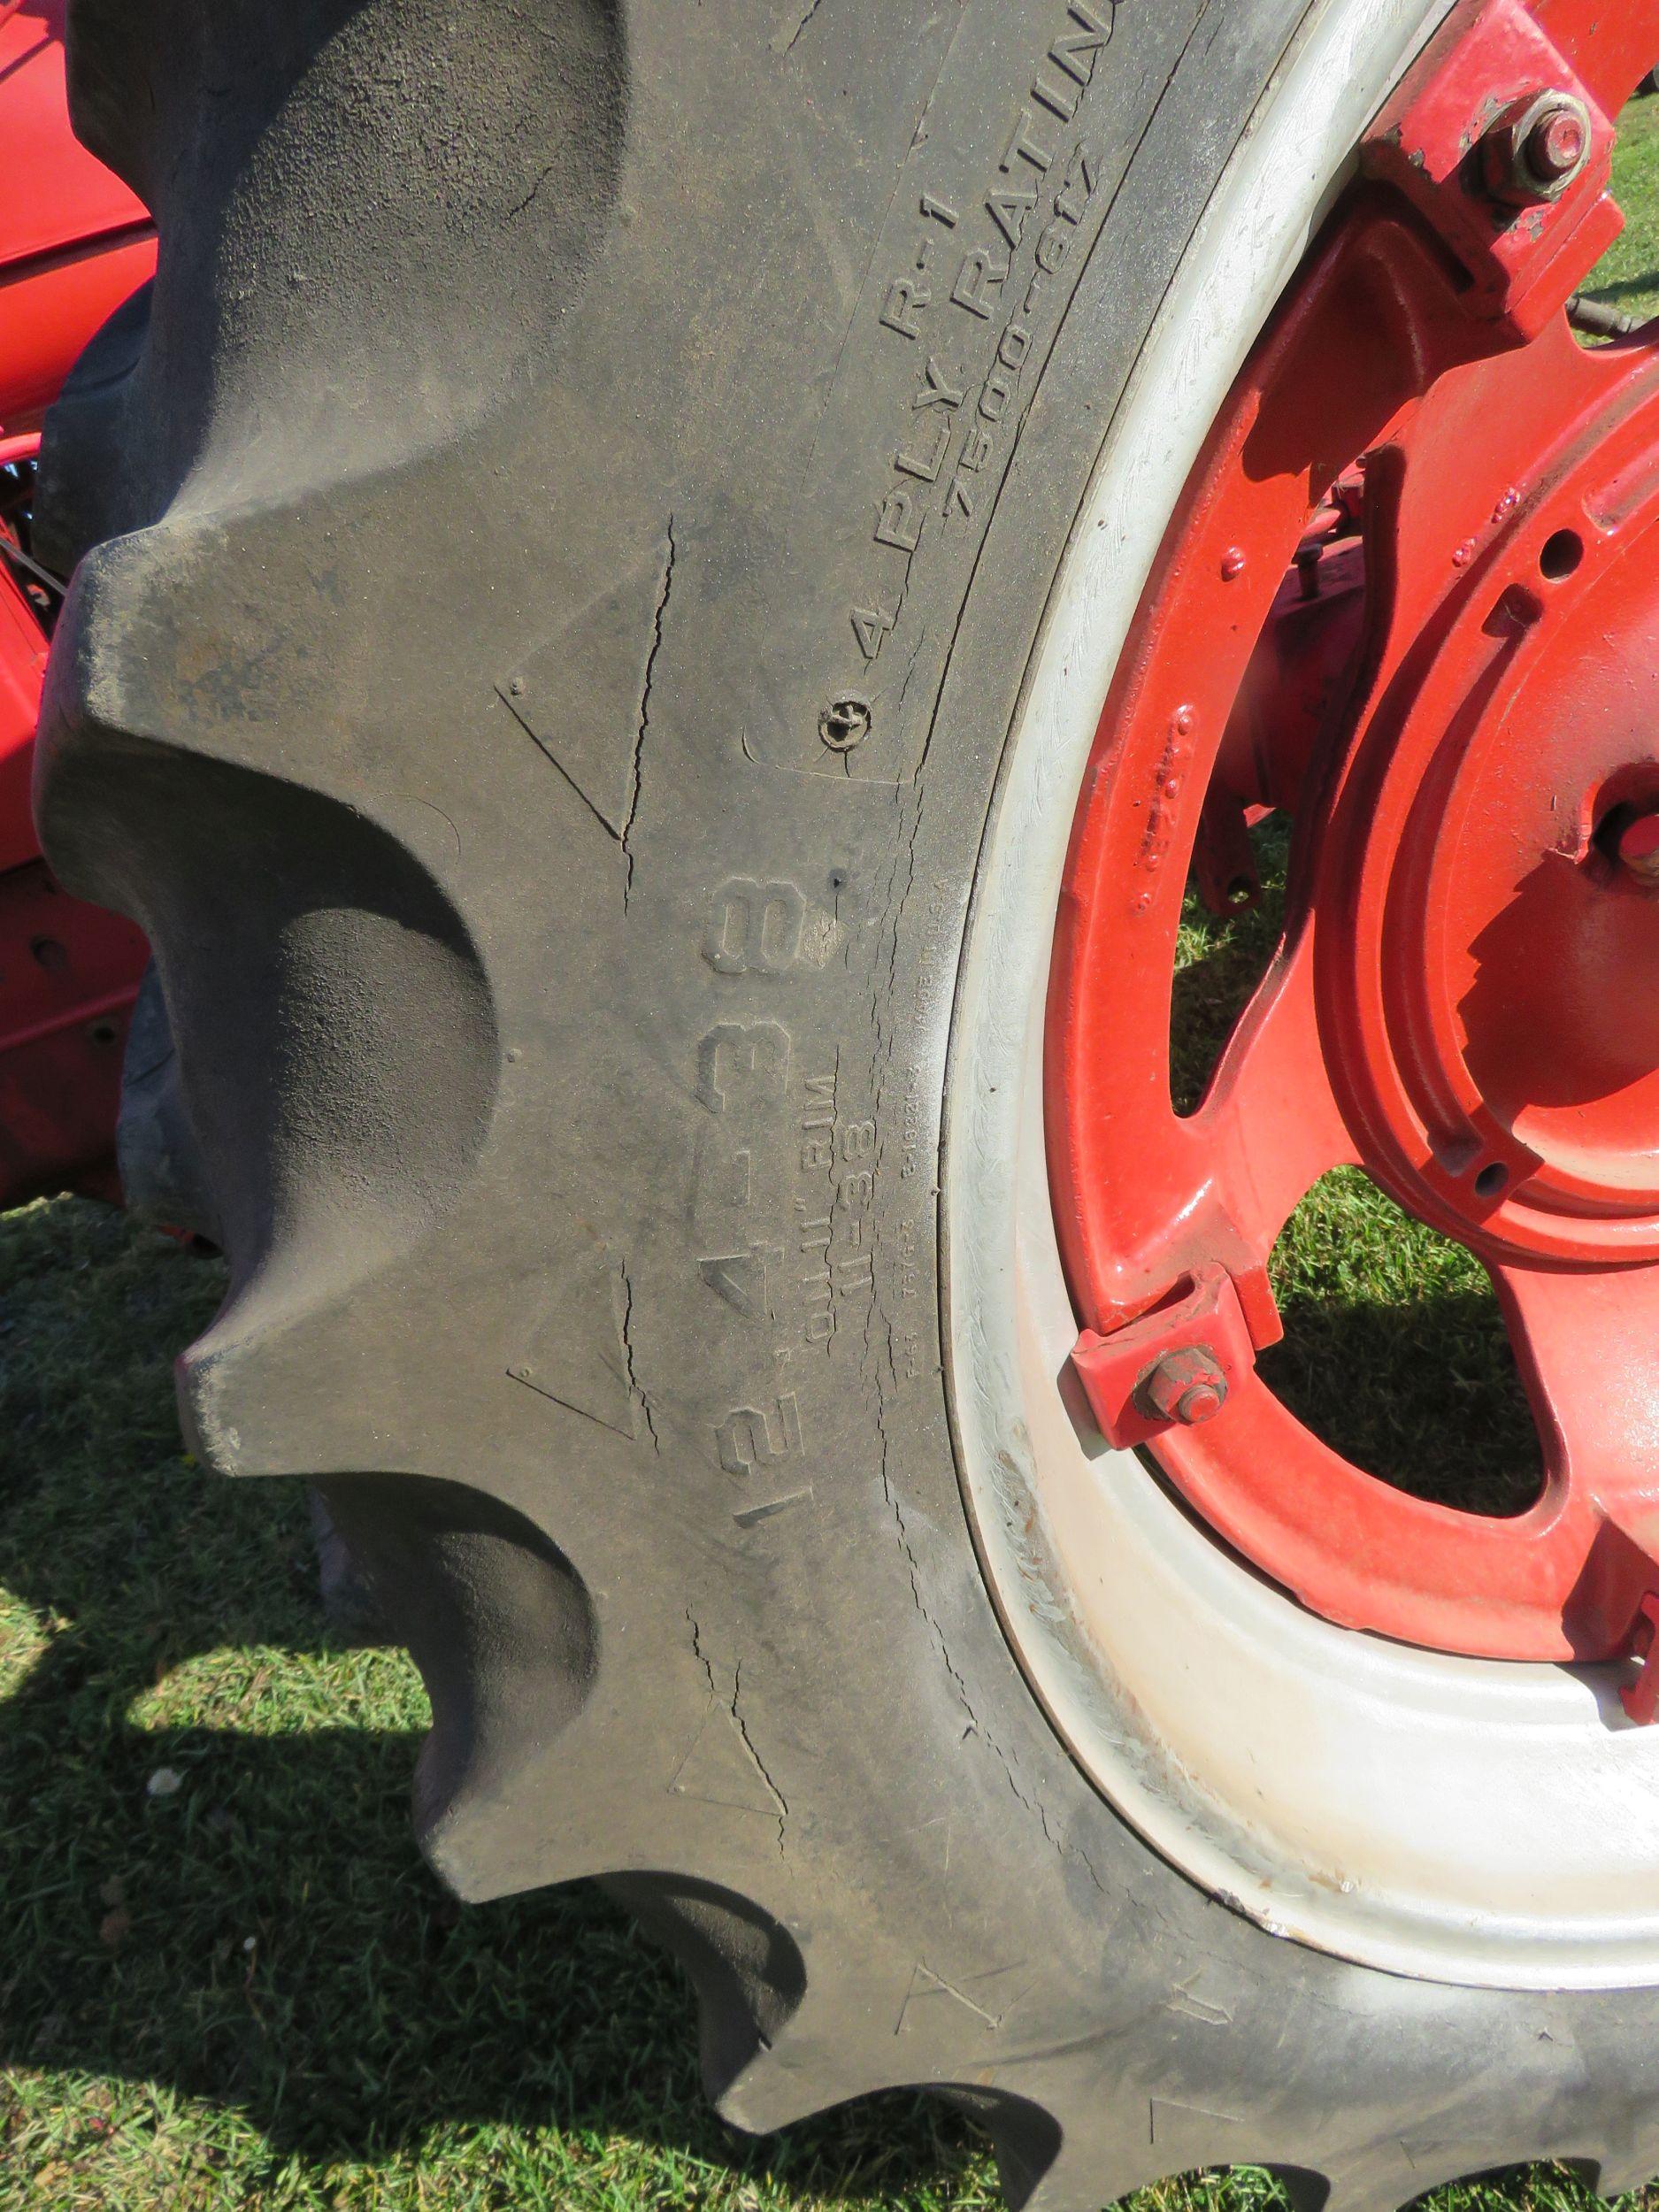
<point>542,415</point>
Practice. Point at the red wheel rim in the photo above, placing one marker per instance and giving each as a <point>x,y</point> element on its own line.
<point>1465,1002</point>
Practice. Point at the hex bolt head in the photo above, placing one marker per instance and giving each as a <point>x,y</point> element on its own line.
<point>1559,143</point>
<point>1538,150</point>
<point>1186,1387</point>
<point>1638,848</point>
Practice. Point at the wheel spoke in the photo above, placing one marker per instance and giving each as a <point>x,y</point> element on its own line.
<point>1458,1006</point>
<point>1612,49</point>
<point>1270,1113</point>
<point>1587,1346</point>
<point>1216,1187</point>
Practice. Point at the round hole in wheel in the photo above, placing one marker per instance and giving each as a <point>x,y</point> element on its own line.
<point>1563,549</point>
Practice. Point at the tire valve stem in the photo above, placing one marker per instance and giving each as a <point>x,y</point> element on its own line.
<point>1596,319</point>
<point>844,723</point>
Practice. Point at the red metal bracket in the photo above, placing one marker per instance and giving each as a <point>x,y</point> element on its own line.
<point>1525,252</point>
<point>1173,1368</point>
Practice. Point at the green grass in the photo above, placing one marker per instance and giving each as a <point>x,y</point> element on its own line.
<point>1628,277</point>
<point>249,1993</point>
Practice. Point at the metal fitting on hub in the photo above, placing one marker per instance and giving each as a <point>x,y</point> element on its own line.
<point>1538,150</point>
<point>1186,1387</point>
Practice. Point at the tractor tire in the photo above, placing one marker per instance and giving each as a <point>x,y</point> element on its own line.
<point>534,676</point>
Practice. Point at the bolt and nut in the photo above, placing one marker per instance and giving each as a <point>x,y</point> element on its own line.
<point>1186,1387</point>
<point>1538,150</point>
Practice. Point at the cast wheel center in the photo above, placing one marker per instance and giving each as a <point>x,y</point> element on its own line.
<point>1485,855</point>
<point>1409,603</point>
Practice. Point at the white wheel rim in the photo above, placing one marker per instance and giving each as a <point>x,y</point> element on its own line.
<point>1454,1819</point>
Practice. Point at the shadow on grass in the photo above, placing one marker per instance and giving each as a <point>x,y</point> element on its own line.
<point>1625,288</point>
<point>264,1937</point>
<point>1425,1396</point>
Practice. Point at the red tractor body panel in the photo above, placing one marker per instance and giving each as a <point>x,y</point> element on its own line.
<point>74,244</point>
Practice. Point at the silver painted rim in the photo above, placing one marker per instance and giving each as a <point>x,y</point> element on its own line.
<point>1457,1820</point>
